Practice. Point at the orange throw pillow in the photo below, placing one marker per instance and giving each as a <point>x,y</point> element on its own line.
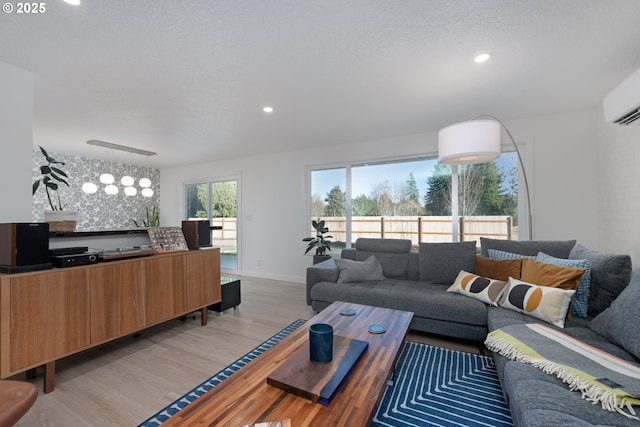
<point>555,276</point>
<point>498,269</point>
<point>551,275</point>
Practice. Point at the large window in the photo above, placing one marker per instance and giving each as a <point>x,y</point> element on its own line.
<point>217,201</point>
<point>411,199</point>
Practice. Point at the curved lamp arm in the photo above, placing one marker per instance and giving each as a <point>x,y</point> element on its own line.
<point>524,173</point>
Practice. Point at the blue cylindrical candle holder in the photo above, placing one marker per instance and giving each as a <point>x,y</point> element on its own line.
<point>321,343</point>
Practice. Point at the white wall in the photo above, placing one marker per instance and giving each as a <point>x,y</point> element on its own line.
<point>618,187</point>
<point>561,164</point>
<point>16,143</point>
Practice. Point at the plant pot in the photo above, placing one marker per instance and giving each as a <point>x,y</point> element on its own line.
<point>320,258</point>
<point>61,221</point>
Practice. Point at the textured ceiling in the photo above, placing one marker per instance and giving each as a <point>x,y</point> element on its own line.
<point>188,79</point>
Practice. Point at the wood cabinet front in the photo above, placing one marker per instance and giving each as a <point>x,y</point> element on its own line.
<point>166,295</point>
<point>117,300</point>
<point>47,315</point>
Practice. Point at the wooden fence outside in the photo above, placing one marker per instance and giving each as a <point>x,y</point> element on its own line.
<point>421,228</point>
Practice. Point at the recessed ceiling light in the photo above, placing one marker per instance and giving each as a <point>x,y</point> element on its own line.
<point>73,2</point>
<point>483,57</point>
<point>268,109</point>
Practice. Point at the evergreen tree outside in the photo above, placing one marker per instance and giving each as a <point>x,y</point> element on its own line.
<point>437,201</point>
<point>411,190</point>
<point>225,199</point>
<point>335,202</point>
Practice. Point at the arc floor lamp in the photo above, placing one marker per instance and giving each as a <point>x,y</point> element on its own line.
<point>476,141</point>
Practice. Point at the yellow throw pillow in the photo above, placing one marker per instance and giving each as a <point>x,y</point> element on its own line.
<point>543,302</point>
<point>478,287</point>
<point>499,269</point>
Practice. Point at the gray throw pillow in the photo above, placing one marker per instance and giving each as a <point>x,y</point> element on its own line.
<point>359,271</point>
<point>441,262</point>
<point>555,248</point>
<point>618,323</point>
<point>610,273</point>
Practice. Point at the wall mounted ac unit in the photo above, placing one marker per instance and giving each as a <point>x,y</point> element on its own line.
<point>622,104</point>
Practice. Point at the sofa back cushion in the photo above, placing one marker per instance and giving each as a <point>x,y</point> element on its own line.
<point>401,246</point>
<point>394,265</point>
<point>610,274</point>
<point>392,254</point>
<point>618,322</point>
<point>556,248</point>
<point>441,262</point>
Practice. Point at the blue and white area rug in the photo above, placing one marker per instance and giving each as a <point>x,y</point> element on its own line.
<point>440,387</point>
<point>433,386</point>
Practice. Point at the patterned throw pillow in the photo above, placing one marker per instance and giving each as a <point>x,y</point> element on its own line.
<point>542,302</point>
<point>496,254</point>
<point>478,287</point>
<point>581,298</point>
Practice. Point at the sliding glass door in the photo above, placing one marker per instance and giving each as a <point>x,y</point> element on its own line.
<point>217,201</point>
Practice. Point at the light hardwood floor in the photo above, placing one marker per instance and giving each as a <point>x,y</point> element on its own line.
<point>125,382</point>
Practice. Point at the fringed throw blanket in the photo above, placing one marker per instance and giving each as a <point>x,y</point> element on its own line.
<point>601,377</point>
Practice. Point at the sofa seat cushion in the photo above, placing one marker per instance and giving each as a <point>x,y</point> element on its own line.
<point>539,399</point>
<point>427,300</point>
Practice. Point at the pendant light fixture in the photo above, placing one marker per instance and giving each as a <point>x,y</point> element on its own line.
<point>107,178</point>
<point>89,187</point>
<point>128,181</point>
<point>145,182</point>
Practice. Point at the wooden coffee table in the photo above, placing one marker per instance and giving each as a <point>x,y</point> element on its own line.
<point>246,398</point>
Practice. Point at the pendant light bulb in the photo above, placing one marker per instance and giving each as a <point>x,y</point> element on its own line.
<point>127,181</point>
<point>106,178</point>
<point>111,189</point>
<point>130,191</point>
<point>89,187</point>
<point>147,192</point>
<point>144,182</point>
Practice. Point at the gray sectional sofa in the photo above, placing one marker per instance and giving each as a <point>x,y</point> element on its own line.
<point>418,282</point>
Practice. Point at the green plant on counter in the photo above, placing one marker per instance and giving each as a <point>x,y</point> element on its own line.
<point>152,219</point>
<point>52,177</point>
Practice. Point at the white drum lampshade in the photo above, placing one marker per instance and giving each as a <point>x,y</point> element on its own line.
<point>465,143</point>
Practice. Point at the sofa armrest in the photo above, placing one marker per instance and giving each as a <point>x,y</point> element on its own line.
<point>325,271</point>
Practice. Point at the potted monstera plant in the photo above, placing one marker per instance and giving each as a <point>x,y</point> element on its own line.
<point>320,241</point>
<point>51,177</point>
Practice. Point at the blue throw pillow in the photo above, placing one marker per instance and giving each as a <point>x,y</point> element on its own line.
<point>580,303</point>
<point>496,254</point>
